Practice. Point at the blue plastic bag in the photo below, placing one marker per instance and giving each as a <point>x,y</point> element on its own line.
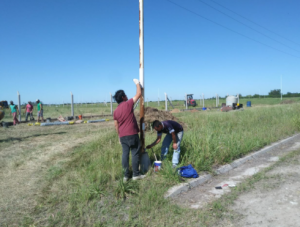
<point>188,171</point>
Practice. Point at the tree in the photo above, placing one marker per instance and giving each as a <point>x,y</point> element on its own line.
<point>275,93</point>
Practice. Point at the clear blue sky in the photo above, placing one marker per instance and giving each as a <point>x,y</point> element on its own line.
<point>50,48</point>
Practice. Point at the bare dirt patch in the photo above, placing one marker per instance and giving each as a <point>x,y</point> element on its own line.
<point>26,153</point>
<point>152,114</point>
<point>288,101</point>
<point>175,111</point>
<point>275,201</point>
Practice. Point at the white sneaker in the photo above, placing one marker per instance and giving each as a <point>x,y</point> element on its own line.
<point>125,179</point>
<point>139,177</point>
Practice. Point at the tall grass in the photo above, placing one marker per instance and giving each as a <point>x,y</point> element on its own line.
<point>87,190</point>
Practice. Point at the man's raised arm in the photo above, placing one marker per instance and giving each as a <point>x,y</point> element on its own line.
<point>138,91</point>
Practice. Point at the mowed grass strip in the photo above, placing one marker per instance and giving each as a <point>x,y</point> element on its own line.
<point>88,190</point>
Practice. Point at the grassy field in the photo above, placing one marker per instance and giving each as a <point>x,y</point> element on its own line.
<point>55,111</point>
<point>87,188</point>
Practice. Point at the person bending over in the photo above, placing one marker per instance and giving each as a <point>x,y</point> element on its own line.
<point>174,133</point>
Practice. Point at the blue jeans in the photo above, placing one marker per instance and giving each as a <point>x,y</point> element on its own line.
<point>166,144</point>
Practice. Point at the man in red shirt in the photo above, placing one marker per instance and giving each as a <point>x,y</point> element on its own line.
<point>127,129</point>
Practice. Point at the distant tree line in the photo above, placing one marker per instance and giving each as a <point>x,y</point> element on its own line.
<point>276,93</point>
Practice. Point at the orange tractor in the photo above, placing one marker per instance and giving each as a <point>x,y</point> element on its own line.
<point>190,101</point>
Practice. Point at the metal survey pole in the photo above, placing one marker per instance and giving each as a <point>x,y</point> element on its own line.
<point>19,105</point>
<point>238,96</point>
<point>216,100</point>
<point>203,99</point>
<point>111,105</point>
<point>186,103</point>
<point>147,102</point>
<point>72,106</point>
<point>141,42</point>
<point>166,102</point>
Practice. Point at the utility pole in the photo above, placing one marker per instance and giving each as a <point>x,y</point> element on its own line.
<point>186,103</point>
<point>111,105</point>
<point>72,106</point>
<point>19,106</point>
<point>141,42</point>
<point>166,101</point>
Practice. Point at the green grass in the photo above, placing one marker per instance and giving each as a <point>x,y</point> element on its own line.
<point>55,111</point>
<point>88,190</point>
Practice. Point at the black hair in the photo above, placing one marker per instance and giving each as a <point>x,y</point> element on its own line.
<point>156,123</point>
<point>11,102</point>
<point>118,97</point>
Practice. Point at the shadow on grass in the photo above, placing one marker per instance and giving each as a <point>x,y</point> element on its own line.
<point>19,139</point>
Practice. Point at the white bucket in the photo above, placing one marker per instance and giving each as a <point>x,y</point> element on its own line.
<point>157,166</point>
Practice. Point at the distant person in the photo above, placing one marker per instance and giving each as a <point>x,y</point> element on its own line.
<point>14,110</point>
<point>40,110</point>
<point>174,133</point>
<point>29,111</point>
<point>127,129</point>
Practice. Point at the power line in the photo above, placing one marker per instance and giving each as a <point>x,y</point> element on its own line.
<point>231,29</point>
<point>256,23</point>
<point>247,25</point>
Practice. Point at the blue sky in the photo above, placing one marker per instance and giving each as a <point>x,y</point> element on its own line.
<point>50,48</point>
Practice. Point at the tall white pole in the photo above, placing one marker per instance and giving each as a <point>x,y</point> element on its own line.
<point>186,102</point>
<point>216,100</point>
<point>147,102</point>
<point>111,105</point>
<point>281,87</point>
<point>203,99</point>
<point>72,106</point>
<point>142,81</point>
<point>238,96</point>
<point>166,102</point>
<point>19,105</point>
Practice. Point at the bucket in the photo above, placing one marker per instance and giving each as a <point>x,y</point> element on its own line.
<point>204,108</point>
<point>80,117</point>
<point>248,103</point>
<point>157,166</point>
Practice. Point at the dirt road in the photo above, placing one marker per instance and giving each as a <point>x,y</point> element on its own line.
<point>273,201</point>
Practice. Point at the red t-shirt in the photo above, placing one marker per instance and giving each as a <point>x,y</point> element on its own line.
<point>29,108</point>
<point>124,115</point>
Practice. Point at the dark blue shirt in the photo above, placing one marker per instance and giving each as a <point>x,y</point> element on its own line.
<point>169,127</point>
